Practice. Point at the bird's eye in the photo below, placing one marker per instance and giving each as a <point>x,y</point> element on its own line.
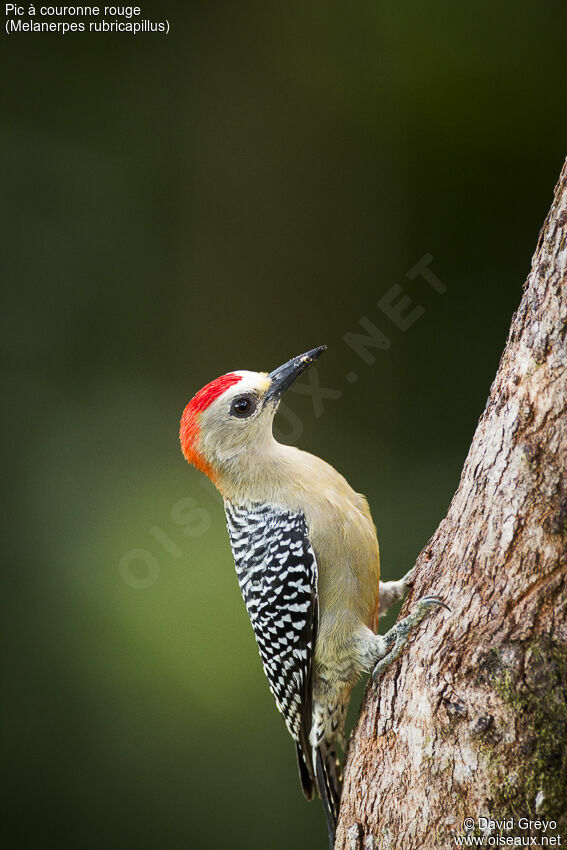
<point>243,406</point>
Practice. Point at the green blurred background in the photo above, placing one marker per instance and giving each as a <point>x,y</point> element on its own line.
<point>227,197</point>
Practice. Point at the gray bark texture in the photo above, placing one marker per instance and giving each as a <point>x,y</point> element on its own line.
<point>471,721</point>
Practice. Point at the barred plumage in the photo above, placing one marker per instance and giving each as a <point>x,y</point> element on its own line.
<point>277,573</point>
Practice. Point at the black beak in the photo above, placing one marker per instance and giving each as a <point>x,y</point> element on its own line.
<point>284,376</point>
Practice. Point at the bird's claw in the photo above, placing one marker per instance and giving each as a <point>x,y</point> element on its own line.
<point>399,634</point>
<point>429,601</point>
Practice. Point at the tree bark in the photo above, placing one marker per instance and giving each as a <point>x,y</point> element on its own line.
<point>471,721</point>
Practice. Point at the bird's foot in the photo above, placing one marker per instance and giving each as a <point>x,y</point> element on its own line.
<point>407,580</point>
<point>398,635</point>
<point>392,591</point>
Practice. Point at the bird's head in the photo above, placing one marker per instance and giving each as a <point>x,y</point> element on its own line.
<point>233,415</point>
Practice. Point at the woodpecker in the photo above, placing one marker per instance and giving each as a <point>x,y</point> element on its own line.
<point>307,561</point>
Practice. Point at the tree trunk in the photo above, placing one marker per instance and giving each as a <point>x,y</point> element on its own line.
<point>471,722</point>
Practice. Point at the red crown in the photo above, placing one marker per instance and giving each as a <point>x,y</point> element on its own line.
<point>189,429</point>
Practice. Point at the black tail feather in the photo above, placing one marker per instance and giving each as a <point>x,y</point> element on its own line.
<point>305,773</point>
<point>329,787</point>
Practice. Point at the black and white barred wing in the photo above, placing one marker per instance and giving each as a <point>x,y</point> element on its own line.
<point>277,573</point>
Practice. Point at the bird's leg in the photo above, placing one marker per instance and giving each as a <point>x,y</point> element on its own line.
<point>392,591</point>
<point>398,635</point>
